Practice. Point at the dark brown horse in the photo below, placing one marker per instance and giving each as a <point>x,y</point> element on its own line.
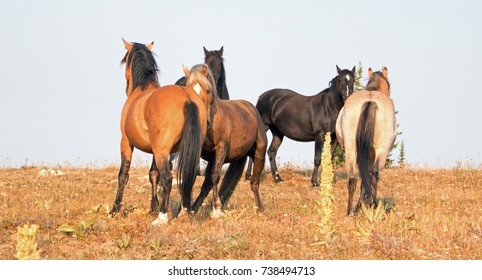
<point>304,118</point>
<point>235,132</point>
<point>366,129</point>
<point>159,120</point>
<point>215,61</point>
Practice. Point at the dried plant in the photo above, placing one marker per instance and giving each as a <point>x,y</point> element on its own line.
<point>27,246</point>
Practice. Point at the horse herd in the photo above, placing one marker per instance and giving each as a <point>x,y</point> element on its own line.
<point>195,119</point>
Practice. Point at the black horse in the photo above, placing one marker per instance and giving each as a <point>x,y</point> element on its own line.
<point>214,59</point>
<point>304,118</point>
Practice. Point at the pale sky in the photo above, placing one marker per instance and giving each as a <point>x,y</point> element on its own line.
<point>63,87</point>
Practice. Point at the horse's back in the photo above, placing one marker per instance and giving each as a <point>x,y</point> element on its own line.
<point>293,114</point>
<point>238,121</point>
<point>269,100</point>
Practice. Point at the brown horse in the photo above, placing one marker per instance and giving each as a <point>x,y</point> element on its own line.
<point>235,132</point>
<point>366,130</point>
<point>159,120</point>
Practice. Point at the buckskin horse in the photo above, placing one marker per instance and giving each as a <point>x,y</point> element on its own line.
<point>366,129</point>
<point>159,120</point>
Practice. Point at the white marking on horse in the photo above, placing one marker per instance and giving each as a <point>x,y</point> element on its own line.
<point>197,88</point>
<point>347,91</point>
<point>162,219</point>
<point>348,77</point>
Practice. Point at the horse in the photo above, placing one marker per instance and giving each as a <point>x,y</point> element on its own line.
<point>236,132</point>
<point>215,61</point>
<point>366,129</point>
<point>304,118</point>
<point>159,120</point>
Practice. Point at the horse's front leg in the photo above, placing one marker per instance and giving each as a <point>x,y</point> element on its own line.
<point>123,177</point>
<point>319,141</point>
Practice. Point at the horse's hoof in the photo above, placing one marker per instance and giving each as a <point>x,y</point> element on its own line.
<point>217,213</point>
<point>278,179</point>
<point>162,219</point>
<point>115,209</point>
<point>315,185</point>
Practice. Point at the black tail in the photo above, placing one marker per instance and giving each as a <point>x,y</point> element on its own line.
<point>364,147</point>
<point>231,179</point>
<point>189,152</point>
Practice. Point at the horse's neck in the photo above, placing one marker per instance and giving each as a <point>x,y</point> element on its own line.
<point>221,87</point>
<point>383,88</point>
<point>331,95</point>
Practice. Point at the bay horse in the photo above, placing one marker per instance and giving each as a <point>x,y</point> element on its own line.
<point>304,118</point>
<point>159,120</point>
<point>236,132</point>
<point>366,129</point>
<point>215,61</point>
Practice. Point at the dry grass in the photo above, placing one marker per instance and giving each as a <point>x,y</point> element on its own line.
<point>438,215</point>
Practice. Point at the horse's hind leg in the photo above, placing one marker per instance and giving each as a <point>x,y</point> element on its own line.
<point>205,188</point>
<point>259,159</point>
<point>154,179</point>
<point>352,181</point>
<point>165,177</point>
<point>272,151</point>
<point>123,177</point>
<point>248,170</point>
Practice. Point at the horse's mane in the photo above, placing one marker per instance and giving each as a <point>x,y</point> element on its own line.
<point>373,81</point>
<point>331,85</point>
<point>205,80</point>
<point>143,66</point>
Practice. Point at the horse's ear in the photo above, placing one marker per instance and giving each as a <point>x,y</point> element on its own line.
<point>127,45</point>
<point>370,72</point>
<point>206,52</point>
<point>204,69</point>
<point>353,70</point>
<point>186,71</point>
<point>385,71</point>
<point>149,47</point>
<point>338,70</point>
<point>221,50</point>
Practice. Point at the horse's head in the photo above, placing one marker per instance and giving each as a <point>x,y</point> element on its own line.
<point>141,67</point>
<point>345,82</point>
<point>378,81</point>
<point>201,80</point>
<point>214,59</point>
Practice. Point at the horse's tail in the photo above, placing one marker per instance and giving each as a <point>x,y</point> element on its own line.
<point>364,146</point>
<point>189,152</point>
<point>231,179</point>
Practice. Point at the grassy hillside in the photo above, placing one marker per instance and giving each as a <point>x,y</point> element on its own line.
<point>435,214</point>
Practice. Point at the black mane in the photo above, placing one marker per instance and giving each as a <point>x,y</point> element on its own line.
<point>331,85</point>
<point>143,66</point>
